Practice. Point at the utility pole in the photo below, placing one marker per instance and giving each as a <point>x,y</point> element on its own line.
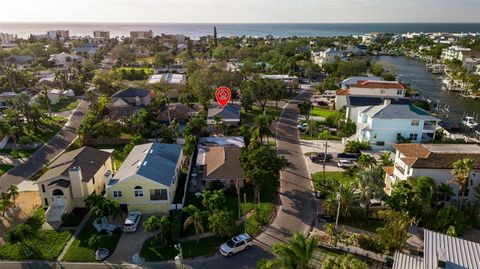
<point>336,221</point>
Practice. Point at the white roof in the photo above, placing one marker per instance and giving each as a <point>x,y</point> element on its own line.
<point>56,91</point>
<point>169,78</point>
<point>404,261</point>
<point>278,76</point>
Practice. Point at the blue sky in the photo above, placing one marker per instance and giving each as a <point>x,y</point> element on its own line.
<point>238,11</point>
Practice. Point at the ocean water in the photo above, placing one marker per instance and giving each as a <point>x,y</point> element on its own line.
<point>195,30</point>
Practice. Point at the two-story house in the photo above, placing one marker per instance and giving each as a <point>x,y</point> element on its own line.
<point>62,61</point>
<point>174,82</point>
<point>327,56</point>
<point>383,125</point>
<point>127,102</point>
<point>147,180</point>
<point>369,88</point>
<point>435,161</point>
<point>71,178</point>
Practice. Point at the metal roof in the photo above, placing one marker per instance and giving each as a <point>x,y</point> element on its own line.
<point>155,161</point>
<point>404,261</point>
<point>456,252</point>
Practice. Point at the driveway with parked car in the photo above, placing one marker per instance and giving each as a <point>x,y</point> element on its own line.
<point>315,149</point>
<point>130,242</point>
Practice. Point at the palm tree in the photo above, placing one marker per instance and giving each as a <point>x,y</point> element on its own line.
<point>385,159</point>
<point>5,202</point>
<point>444,191</point>
<point>305,109</point>
<point>261,129</point>
<point>296,254</point>
<point>366,161</point>
<point>195,219</point>
<point>48,105</point>
<point>221,223</point>
<point>13,192</point>
<point>461,173</point>
<point>368,186</point>
<point>10,71</point>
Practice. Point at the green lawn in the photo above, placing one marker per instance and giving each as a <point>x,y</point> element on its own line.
<point>341,177</point>
<point>65,104</point>
<point>44,245</point>
<point>4,168</point>
<point>147,70</point>
<point>316,111</point>
<point>249,117</point>
<point>80,251</point>
<point>18,153</point>
<point>205,246</point>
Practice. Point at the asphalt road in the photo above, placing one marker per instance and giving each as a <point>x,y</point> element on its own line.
<point>47,152</point>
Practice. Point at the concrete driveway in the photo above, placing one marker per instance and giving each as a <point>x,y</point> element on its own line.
<point>130,244</point>
<point>333,147</point>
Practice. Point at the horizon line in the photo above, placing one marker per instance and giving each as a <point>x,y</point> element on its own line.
<point>136,22</point>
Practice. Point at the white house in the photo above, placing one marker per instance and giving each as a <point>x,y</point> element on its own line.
<point>54,95</point>
<point>371,88</point>
<point>64,60</point>
<point>382,125</point>
<point>176,82</point>
<point>435,161</point>
<point>348,82</point>
<point>453,52</point>
<point>329,55</point>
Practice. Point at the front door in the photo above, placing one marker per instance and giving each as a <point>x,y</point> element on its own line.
<point>58,199</point>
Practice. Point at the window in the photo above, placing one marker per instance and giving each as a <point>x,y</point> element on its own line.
<point>117,194</point>
<point>93,180</point>
<point>382,91</point>
<point>413,137</point>
<point>158,194</point>
<point>399,92</point>
<point>415,122</point>
<point>43,188</point>
<point>46,201</point>
<point>138,191</point>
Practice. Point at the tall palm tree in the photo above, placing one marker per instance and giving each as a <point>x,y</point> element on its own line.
<point>295,254</point>
<point>195,219</point>
<point>385,159</point>
<point>461,172</point>
<point>368,186</point>
<point>444,192</point>
<point>261,129</point>
<point>13,192</point>
<point>366,161</point>
<point>5,202</point>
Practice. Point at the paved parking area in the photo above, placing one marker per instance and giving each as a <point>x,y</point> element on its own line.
<point>130,244</point>
<point>333,147</point>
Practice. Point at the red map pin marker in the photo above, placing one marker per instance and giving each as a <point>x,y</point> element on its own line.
<point>223,95</point>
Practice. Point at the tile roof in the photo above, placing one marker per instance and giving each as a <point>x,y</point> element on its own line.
<point>223,162</point>
<point>388,170</point>
<point>437,156</point>
<point>155,161</point>
<point>89,159</point>
<point>374,84</point>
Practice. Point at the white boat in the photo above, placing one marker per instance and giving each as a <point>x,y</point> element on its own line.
<point>469,122</point>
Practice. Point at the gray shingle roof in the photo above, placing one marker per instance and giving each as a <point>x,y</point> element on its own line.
<point>395,111</point>
<point>89,159</point>
<point>155,161</point>
<point>230,112</point>
<point>131,92</point>
<point>374,101</point>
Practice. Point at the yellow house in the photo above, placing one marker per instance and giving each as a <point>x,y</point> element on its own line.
<point>148,178</point>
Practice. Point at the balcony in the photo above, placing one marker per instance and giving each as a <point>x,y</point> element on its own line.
<point>399,168</point>
<point>430,126</point>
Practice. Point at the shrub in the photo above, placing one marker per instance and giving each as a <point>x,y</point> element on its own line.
<point>369,243</point>
<point>36,220</point>
<point>18,233</point>
<point>356,146</point>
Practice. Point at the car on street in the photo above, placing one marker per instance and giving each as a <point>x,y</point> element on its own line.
<point>132,221</point>
<point>302,127</point>
<point>319,157</point>
<point>236,244</point>
<point>346,163</point>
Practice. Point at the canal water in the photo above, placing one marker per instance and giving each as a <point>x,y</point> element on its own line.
<point>415,72</point>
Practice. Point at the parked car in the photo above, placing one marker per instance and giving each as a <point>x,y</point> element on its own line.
<point>348,156</point>
<point>101,254</point>
<point>346,163</point>
<point>375,204</point>
<point>302,127</point>
<point>325,217</point>
<point>132,221</point>
<point>320,157</point>
<point>236,244</point>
